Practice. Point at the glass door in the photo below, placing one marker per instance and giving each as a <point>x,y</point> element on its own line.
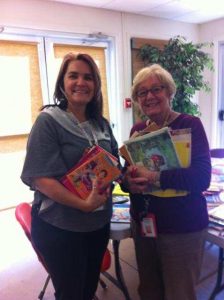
<point>220,111</point>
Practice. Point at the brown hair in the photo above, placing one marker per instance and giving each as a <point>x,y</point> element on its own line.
<point>94,108</point>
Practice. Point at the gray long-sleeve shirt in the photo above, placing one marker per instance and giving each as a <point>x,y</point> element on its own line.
<point>56,143</point>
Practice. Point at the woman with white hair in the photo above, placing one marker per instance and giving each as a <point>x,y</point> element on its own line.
<point>169,261</point>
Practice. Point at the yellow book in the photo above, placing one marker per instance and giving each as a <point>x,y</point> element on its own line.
<point>182,143</point>
<point>118,191</point>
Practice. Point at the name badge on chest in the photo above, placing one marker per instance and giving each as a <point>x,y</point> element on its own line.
<point>148,226</point>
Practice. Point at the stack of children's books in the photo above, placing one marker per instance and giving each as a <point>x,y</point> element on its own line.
<point>215,193</point>
<point>161,149</point>
<point>96,162</point>
<point>121,213</point>
<point>217,179</point>
<point>216,215</point>
<point>119,196</point>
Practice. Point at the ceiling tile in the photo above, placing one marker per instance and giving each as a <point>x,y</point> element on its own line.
<point>191,11</point>
<point>198,17</point>
<point>170,10</point>
<point>90,3</point>
<point>133,5</point>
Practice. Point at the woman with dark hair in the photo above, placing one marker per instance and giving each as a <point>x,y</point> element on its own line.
<point>70,233</point>
<point>94,107</point>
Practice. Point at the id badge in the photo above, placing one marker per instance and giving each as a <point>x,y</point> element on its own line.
<point>148,226</point>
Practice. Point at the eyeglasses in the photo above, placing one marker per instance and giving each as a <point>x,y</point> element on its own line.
<point>154,91</point>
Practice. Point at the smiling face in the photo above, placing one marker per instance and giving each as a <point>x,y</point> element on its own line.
<point>155,102</point>
<point>78,84</point>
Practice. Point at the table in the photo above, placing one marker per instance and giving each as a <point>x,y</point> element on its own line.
<point>217,237</point>
<point>118,232</point>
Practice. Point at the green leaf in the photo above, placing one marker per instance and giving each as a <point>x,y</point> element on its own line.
<point>186,62</point>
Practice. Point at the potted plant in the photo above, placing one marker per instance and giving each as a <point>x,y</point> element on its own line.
<point>186,62</point>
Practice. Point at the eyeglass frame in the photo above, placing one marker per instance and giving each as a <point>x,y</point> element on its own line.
<point>151,90</point>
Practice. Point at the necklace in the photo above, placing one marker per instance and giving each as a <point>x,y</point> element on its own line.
<point>170,117</point>
<point>152,126</point>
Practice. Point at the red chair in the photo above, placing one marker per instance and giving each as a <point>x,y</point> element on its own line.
<point>23,216</point>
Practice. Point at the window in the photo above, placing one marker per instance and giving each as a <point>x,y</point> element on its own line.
<point>29,65</point>
<point>54,62</point>
<point>21,93</point>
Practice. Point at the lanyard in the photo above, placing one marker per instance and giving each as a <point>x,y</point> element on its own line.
<point>145,210</point>
<point>92,140</point>
<point>81,127</point>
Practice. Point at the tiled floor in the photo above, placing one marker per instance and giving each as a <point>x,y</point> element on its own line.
<point>22,276</point>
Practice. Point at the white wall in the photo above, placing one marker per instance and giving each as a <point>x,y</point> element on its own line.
<point>43,15</point>
<point>146,27</point>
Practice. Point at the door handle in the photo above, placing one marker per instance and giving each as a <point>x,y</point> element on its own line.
<point>221,115</point>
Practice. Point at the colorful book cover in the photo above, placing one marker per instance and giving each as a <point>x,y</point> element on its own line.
<point>124,153</point>
<point>217,178</point>
<point>162,150</point>
<point>217,213</point>
<point>154,150</point>
<point>182,143</point>
<point>101,165</point>
<point>121,213</point>
<point>118,191</point>
<point>120,199</point>
<point>88,154</point>
<point>214,199</point>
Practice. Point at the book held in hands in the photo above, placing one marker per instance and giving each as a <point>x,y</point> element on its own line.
<point>154,150</point>
<point>97,162</point>
<point>162,149</point>
<point>182,143</point>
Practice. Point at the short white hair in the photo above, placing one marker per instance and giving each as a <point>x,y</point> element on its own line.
<point>160,73</point>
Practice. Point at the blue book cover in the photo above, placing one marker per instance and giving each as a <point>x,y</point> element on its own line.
<point>121,213</point>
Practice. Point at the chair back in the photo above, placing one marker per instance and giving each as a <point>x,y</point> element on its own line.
<point>217,152</point>
<point>106,261</point>
<point>23,216</point>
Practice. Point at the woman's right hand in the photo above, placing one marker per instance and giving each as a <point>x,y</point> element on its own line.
<point>57,192</point>
<point>134,181</point>
<point>97,197</point>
